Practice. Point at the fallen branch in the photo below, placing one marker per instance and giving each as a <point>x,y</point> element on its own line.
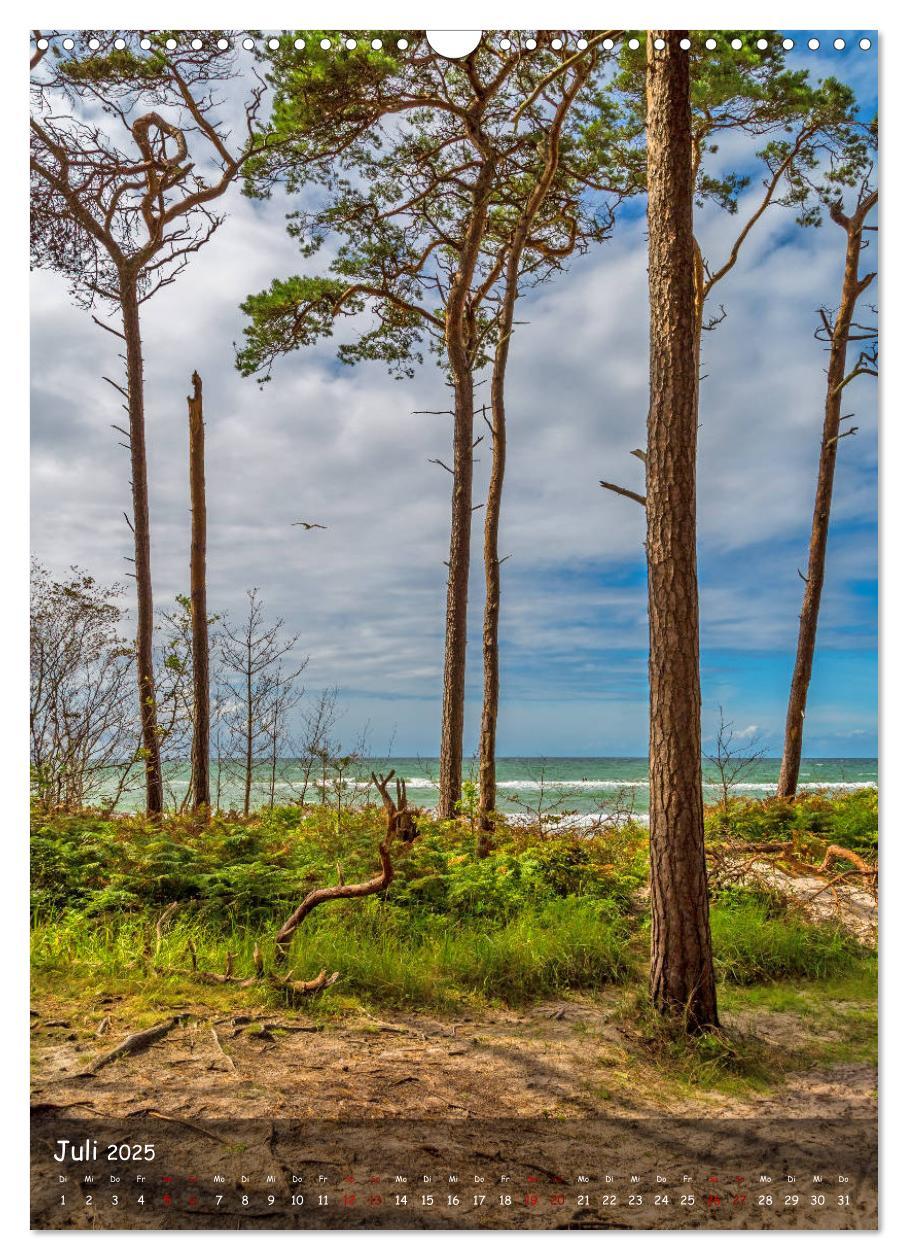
<point>136,1042</point>
<point>286,1028</point>
<point>828,886</point>
<point>401,825</point>
<point>846,855</point>
<point>769,846</point>
<point>226,976</point>
<point>819,891</point>
<point>869,873</point>
<point>306,988</point>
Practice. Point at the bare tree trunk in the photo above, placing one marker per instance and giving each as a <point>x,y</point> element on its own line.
<point>490,649</point>
<point>247,791</point>
<point>459,337</point>
<point>201,718</point>
<point>273,783</point>
<point>217,777</point>
<point>682,981</point>
<point>852,287</point>
<point>402,825</point>
<point>151,752</point>
<point>498,432</point>
<point>455,660</point>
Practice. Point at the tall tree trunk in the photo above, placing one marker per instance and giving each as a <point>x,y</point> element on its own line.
<point>247,790</point>
<point>129,305</point>
<point>198,592</point>
<point>682,982</point>
<point>498,433</point>
<point>455,660</point>
<point>460,331</point>
<point>852,287</point>
<point>273,783</point>
<point>492,564</point>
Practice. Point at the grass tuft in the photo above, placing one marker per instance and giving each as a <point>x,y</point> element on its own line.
<point>382,955</point>
<point>533,920</point>
<point>755,941</point>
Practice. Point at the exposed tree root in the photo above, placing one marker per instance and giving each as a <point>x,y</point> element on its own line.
<point>188,1124</point>
<point>306,988</point>
<point>836,851</point>
<point>819,890</point>
<point>733,859</point>
<point>220,1049</point>
<point>401,825</point>
<point>136,1042</point>
<point>162,922</point>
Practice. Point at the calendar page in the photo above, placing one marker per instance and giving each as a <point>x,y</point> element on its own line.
<point>453,630</point>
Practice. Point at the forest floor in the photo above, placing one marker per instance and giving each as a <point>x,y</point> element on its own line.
<point>793,1071</point>
<point>488,1057</point>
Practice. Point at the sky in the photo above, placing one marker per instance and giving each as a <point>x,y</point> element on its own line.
<point>342,446</point>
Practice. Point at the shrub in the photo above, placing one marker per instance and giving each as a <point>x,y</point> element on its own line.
<point>755,939</point>
<point>812,821</point>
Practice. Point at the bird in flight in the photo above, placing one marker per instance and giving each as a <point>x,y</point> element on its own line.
<point>309,525</point>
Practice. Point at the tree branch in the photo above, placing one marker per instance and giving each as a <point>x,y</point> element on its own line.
<point>628,494</point>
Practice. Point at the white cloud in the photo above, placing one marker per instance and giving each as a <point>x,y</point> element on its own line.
<point>343,447</point>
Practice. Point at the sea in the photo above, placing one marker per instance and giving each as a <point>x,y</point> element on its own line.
<point>590,786</point>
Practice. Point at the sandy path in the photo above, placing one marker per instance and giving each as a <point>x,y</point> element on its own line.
<point>495,1097</point>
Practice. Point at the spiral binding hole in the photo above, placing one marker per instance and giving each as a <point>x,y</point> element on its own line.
<point>505,44</point>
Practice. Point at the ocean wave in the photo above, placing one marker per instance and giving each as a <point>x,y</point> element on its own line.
<point>588,784</point>
<point>567,822</point>
<point>314,784</point>
<point>592,785</point>
<point>552,785</point>
<point>802,787</point>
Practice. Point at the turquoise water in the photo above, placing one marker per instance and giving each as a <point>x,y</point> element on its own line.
<point>587,785</point>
